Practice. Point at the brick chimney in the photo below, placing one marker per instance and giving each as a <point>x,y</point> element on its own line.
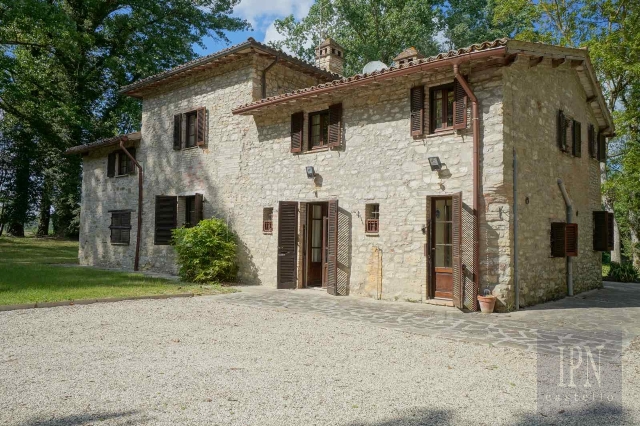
<point>407,55</point>
<point>330,56</point>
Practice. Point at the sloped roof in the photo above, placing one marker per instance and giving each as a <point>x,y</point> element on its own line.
<point>115,140</point>
<point>499,47</point>
<point>198,64</point>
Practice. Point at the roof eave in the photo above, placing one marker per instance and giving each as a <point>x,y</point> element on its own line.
<point>84,149</point>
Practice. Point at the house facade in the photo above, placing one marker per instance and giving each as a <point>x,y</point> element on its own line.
<point>397,184</point>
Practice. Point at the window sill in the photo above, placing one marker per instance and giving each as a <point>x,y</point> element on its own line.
<point>313,151</point>
<point>120,244</point>
<point>122,176</point>
<point>267,233</point>
<point>372,234</point>
<point>441,133</point>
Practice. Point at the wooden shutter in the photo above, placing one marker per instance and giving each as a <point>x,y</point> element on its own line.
<point>297,126</point>
<point>111,164</point>
<point>561,130</point>
<point>459,106</point>
<point>428,246</point>
<point>591,135</point>
<point>571,239</point>
<point>335,125</point>
<point>199,207</point>
<point>600,231</point>
<point>201,126</point>
<point>602,148</point>
<point>456,217</point>
<point>166,218</point>
<point>177,131</point>
<point>558,245</point>
<point>332,248</point>
<point>130,165</point>
<point>417,111</point>
<point>287,242</point>
<point>610,231</point>
<point>577,138</point>
<point>302,247</point>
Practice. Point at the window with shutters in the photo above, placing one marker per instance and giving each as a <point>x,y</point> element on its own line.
<point>267,220</point>
<point>576,136</point>
<point>372,218</point>
<point>564,239</point>
<point>166,218</point>
<point>190,211</point>
<point>441,107</point>
<point>119,163</point>
<point>563,131</point>
<point>603,230</point>
<point>189,129</point>
<point>591,136</point>
<point>120,227</point>
<point>318,129</point>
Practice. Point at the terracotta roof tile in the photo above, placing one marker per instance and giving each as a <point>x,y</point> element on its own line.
<point>115,140</point>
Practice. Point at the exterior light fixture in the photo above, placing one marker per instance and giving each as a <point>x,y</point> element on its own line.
<point>435,163</point>
<point>311,173</point>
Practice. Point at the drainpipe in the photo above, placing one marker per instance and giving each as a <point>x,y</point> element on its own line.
<point>516,285</point>
<point>264,77</point>
<point>136,261</point>
<point>475,125</point>
<point>569,207</point>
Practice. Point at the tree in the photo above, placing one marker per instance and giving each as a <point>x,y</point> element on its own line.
<point>63,61</point>
<point>367,29</point>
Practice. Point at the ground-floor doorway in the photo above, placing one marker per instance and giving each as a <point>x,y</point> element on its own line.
<point>316,253</point>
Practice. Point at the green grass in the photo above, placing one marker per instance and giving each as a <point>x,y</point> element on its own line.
<point>605,269</point>
<point>31,271</point>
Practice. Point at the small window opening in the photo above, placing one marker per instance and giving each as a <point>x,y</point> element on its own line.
<point>267,220</point>
<point>372,218</point>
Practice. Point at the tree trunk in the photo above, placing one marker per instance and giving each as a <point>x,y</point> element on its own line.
<point>16,229</point>
<point>616,253</point>
<point>635,249</point>
<point>44,216</point>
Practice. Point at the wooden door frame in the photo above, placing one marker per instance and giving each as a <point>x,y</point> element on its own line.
<point>431,234</point>
<point>308,238</point>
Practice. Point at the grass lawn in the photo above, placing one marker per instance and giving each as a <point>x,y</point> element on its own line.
<point>605,270</point>
<point>30,272</point>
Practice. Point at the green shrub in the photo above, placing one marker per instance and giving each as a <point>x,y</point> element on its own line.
<point>624,272</point>
<point>206,252</point>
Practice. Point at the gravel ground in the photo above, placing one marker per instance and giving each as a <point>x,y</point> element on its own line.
<point>204,361</point>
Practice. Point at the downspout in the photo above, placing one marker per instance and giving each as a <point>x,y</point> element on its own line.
<point>569,207</point>
<point>516,286</point>
<point>264,77</point>
<point>136,261</point>
<point>475,126</point>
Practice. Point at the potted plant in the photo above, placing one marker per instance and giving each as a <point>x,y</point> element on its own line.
<point>487,302</point>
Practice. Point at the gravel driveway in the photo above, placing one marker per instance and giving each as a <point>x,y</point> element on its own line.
<point>206,361</point>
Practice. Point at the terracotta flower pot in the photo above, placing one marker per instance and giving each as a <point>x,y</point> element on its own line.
<point>487,303</point>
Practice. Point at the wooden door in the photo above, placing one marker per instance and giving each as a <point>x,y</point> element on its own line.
<point>287,244</point>
<point>332,248</point>
<point>316,243</point>
<point>442,247</point>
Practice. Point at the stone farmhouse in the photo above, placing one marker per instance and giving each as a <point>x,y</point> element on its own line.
<point>433,180</point>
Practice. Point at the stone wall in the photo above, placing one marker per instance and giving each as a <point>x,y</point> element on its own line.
<point>532,98</point>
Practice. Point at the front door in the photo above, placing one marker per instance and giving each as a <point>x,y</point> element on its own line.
<point>316,267</point>
<point>442,247</point>
<point>287,244</point>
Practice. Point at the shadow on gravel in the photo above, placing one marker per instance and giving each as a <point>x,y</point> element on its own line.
<point>82,419</point>
<point>600,413</point>
<point>414,417</point>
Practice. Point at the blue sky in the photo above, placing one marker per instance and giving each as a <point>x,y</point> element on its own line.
<point>260,14</point>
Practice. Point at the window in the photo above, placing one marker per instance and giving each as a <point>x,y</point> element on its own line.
<point>190,211</point>
<point>119,163</point>
<point>441,107</point>
<point>443,233</point>
<point>564,239</point>
<point>372,218</point>
<point>189,129</point>
<point>603,228</point>
<point>120,227</point>
<point>318,129</point>
<point>267,220</point>
<point>316,233</point>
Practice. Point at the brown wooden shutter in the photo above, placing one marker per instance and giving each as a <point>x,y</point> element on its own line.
<point>610,231</point>
<point>561,130</point>
<point>571,239</point>
<point>428,247</point>
<point>287,242</point>
<point>177,131</point>
<point>130,165</point>
<point>456,217</point>
<point>111,164</point>
<point>417,111</point>
<point>297,126</point>
<point>201,126</point>
<point>591,139</point>
<point>302,246</point>
<point>602,148</point>
<point>335,125</point>
<point>199,208</point>
<point>459,106</point>
<point>577,138</point>
<point>600,231</point>
<point>558,245</point>
<point>166,218</point>
<point>332,248</point>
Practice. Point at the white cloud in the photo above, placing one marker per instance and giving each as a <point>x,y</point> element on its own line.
<point>258,12</point>
<point>272,34</point>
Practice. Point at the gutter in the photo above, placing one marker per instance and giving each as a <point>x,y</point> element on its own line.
<point>264,77</point>
<point>569,207</point>
<point>475,125</point>
<point>329,87</point>
<point>136,262</point>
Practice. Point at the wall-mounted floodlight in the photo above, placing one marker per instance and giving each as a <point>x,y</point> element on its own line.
<point>311,173</point>
<point>435,163</point>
